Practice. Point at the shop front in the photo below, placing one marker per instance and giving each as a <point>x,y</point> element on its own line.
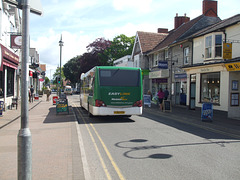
<point>234,89</point>
<point>209,83</point>
<point>8,80</point>
<point>158,79</point>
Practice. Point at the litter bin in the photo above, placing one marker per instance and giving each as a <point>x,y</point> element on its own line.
<point>1,108</point>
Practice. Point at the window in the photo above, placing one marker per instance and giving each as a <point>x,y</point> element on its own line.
<point>10,82</point>
<point>155,60</point>
<point>213,46</point>
<point>218,45</point>
<point>186,55</point>
<point>208,47</point>
<point>210,87</point>
<point>128,78</point>
<point>166,54</point>
<point>1,84</point>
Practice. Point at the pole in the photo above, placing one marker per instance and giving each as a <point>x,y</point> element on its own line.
<point>60,44</point>
<point>24,134</point>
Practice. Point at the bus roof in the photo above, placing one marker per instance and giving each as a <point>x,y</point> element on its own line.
<point>83,75</point>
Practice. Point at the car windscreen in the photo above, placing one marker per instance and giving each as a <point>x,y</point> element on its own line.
<point>118,77</point>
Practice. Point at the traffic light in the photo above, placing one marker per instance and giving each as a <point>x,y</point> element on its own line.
<point>58,80</point>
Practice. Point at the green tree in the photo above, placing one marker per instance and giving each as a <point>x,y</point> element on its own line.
<point>57,73</point>
<point>120,46</point>
<point>72,70</point>
<point>46,80</point>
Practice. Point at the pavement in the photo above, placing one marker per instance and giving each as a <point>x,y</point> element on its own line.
<point>55,145</point>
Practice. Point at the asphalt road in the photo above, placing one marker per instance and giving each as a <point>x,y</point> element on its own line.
<point>150,147</point>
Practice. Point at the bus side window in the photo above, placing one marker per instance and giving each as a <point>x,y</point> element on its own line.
<point>91,90</point>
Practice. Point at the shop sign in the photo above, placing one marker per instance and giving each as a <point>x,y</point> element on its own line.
<point>159,74</point>
<point>227,50</point>
<point>233,66</point>
<point>16,41</point>
<point>180,76</point>
<point>162,64</point>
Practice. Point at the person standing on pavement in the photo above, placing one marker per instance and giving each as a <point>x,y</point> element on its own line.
<point>166,94</point>
<point>31,93</point>
<point>160,98</point>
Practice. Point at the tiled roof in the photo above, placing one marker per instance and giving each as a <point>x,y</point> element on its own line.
<point>186,30</point>
<point>149,40</point>
<point>221,24</point>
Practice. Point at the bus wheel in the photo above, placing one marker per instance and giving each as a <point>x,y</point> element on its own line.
<point>89,114</point>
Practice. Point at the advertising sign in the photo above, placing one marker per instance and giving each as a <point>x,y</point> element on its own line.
<point>207,112</point>
<point>16,41</point>
<point>162,64</point>
<point>233,66</point>
<point>147,100</point>
<point>227,50</point>
<point>62,106</point>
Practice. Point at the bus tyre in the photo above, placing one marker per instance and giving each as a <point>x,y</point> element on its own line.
<point>89,114</point>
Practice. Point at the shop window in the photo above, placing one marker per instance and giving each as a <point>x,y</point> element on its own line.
<point>10,81</point>
<point>1,84</point>
<point>210,87</point>
<point>186,55</point>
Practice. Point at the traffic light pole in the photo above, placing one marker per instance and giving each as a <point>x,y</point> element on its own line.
<point>24,134</point>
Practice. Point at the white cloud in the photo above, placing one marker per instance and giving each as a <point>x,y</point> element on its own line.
<point>142,6</point>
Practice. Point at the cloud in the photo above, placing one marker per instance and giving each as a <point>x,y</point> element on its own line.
<point>142,6</point>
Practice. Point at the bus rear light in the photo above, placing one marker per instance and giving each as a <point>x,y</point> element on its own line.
<point>99,103</point>
<point>138,104</point>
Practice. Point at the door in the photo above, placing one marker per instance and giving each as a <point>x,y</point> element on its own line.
<point>177,97</point>
<point>192,98</point>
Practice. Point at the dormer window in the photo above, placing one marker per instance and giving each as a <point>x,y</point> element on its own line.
<point>213,46</point>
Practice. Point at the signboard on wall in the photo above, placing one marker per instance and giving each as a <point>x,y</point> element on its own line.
<point>227,50</point>
<point>233,66</point>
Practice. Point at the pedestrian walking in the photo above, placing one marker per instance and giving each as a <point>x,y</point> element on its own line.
<point>166,94</point>
<point>160,98</point>
<point>31,93</point>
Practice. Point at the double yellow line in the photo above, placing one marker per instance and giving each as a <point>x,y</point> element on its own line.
<point>121,177</point>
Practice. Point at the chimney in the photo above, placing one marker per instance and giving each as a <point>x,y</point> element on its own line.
<point>162,30</point>
<point>209,8</point>
<point>179,20</point>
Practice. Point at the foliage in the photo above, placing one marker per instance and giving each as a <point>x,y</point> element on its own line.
<point>47,81</point>
<point>57,73</point>
<point>101,52</point>
<point>120,47</point>
<point>72,70</point>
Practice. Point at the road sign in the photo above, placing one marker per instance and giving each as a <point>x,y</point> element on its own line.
<point>35,5</point>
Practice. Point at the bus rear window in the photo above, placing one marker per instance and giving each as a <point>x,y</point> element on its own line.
<point>117,77</point>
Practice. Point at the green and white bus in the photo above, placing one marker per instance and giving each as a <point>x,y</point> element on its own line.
<point>110,90</point>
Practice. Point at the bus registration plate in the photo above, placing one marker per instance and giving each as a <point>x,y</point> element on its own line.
<point>119,112</point>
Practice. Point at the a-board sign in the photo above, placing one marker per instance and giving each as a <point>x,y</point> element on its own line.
<point>167,106</point>
<point>147,100</point>
<point>62,106</point>
<point>207,112</point>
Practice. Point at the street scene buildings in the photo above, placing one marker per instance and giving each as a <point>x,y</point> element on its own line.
<point>10,58</point>
<point>198,61</point>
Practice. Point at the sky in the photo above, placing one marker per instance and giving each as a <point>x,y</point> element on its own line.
<point>81,22</point>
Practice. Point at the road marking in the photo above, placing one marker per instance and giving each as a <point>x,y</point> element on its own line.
<point>108,154</point>
<point>87,175</point>
<point>96,148</point>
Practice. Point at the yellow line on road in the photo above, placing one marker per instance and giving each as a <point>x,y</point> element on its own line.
<point>97,150</point>
<point>121,177</point>
<point>108,154</point>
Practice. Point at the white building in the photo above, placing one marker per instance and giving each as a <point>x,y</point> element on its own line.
<point>214,76</point>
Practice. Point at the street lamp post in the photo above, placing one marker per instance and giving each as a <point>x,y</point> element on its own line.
<point>60,44</point>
